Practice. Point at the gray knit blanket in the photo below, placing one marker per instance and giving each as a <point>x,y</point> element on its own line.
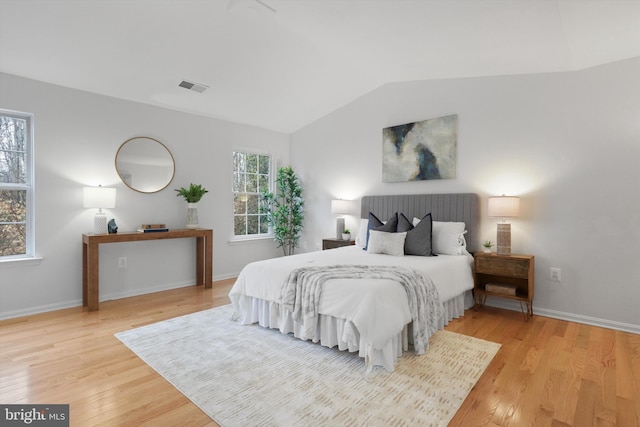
<point>302,289</point>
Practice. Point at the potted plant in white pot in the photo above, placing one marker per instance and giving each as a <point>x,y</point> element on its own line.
<point>487,246</point>
<point>192,196</point>
<point>346,234</point>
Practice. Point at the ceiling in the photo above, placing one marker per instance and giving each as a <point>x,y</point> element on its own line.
<point>282,64</point>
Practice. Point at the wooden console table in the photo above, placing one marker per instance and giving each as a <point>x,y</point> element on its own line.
<point>90,258</point>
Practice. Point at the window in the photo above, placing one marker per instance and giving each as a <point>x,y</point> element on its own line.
<point>16,191</point>
<point>251,178</point>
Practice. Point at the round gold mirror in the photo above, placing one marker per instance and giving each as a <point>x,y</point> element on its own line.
<point>145,164</point>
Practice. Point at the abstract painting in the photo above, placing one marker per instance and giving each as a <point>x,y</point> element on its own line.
<point>420,151</point>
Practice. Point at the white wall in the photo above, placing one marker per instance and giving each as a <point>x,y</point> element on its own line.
<point>567,143</point>
<point>77,135</point>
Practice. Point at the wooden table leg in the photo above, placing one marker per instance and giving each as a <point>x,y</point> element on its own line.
<point>204,260</point>
<point>208,260</point>
<point>92,274</point>
<point>85,300</point>
<point>200,260</point>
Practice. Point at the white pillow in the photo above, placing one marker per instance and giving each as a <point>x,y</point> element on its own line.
<point>381,242</point>
<point>447,238</point>
<point>361,237</point>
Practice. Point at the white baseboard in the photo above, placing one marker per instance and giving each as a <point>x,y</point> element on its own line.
<point>498,303</point>
<point>225,276</point>
<point>570,317</point>
<point>40,309</point>
<point>143,291</point>
<point>103,297</point>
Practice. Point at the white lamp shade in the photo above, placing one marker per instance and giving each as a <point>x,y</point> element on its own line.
<point>339,206</point>
<point>99,197</point>
<point>504,206</point>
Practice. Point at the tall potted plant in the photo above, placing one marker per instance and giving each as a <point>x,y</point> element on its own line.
<point>192,196</point>
<point>284,210</point>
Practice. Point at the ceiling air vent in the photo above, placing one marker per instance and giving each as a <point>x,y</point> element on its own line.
<point>196,87</point>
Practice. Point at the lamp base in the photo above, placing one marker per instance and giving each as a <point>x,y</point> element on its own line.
<point>339,228</point>
<point>504,239</point>
<point>100,223</point>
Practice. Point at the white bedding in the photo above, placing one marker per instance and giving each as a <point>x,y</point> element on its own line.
<point>370,314</point>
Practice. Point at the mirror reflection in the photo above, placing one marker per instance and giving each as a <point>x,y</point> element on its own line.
<point>145,164</point>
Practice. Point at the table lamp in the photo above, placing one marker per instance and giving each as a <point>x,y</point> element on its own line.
<point>101,198</point>
<point>340,207</point>
<point>504,207</point>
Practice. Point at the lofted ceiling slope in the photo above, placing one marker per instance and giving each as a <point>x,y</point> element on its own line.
<point>282,64</point>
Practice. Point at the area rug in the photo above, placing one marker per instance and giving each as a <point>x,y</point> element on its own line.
<point>251,376</point>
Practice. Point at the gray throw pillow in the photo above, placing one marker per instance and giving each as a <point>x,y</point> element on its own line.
<point>418,240</point>
<point>375,224</point>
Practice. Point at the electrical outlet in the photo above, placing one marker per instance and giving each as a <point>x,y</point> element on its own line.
<point>555,274</point>
<point>122,262</point>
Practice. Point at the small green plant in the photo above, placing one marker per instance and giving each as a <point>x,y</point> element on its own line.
<point>193,194</point>
<point>346,231</point>
<point>487,244</point>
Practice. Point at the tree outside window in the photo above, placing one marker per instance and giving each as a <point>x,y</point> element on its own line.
<point>15,184</point>
<point>251,178</point>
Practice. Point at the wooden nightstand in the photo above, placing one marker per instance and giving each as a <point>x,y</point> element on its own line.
<point>336,243</point>
<point>504,276</point>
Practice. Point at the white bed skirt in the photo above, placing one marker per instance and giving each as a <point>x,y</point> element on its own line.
<point>333,331</point>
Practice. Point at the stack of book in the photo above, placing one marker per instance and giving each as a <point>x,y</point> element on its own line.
<point>500,288</point>
<point>152,228</point>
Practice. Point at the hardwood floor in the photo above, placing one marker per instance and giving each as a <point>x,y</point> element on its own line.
<point>547,373</point>
<point>552,373</point>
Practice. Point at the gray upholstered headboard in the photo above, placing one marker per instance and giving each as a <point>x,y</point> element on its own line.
<point>443,207</point>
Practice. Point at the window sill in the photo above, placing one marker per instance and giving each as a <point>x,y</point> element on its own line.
<point>20,262</point>
<point>242,240</point>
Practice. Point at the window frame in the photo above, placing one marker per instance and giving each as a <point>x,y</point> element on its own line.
<point>249,237</point>
<point>28,186</point>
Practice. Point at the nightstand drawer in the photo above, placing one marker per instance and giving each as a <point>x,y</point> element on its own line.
<point>336,243</point>
<point>497,266</point>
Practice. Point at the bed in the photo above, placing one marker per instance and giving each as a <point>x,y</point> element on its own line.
<point>362,305</point>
